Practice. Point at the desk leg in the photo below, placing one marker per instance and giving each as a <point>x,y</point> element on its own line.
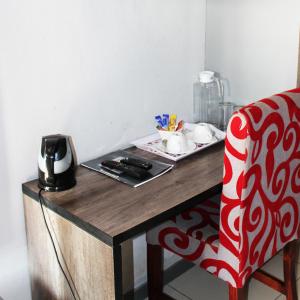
<point>94,268</point>
<point>117,254</point>
<point>127,270</point>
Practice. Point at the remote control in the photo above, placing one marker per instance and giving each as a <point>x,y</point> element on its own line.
<point>137,163</point>
<point>131,171</point>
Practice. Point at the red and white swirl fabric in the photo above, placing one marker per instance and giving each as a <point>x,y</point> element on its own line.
<point>258,213</point>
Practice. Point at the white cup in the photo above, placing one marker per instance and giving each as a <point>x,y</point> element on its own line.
<point>177,143</point>
<point>202,134</point>
<point>174,141</point>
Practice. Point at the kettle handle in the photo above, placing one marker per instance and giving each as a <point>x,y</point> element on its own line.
<point>220,87</point>
<point>50,170</point>
<point>50,147</point>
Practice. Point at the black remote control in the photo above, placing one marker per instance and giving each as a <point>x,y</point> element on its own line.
<point>131,171</point>
<point>137,163</point>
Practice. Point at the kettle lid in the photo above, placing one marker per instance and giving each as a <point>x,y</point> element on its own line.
<point>207,76</point>
<point>54,145</point>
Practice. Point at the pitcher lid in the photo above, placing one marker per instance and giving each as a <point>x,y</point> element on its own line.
<point>206,76</point>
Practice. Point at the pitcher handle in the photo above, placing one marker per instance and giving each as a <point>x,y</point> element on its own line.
<point>220,87</point>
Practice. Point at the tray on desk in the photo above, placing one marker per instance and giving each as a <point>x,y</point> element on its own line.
<point>152,143</point>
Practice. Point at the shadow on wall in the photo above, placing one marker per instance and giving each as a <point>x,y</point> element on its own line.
<point>6,208</point>
<point>14,280</point>
<point>40,291</point>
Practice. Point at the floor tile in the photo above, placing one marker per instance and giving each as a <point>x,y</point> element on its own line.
<point>259,291</point>
<point>275,266</point>
<point>199,284</point>
<point>173,293</point>
<point>178,295</point>
<point>282,297</point>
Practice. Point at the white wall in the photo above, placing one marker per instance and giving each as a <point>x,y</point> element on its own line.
<point>96,70</point>
<point>254,45</point>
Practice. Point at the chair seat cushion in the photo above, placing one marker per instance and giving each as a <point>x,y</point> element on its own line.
<point>193,234</point>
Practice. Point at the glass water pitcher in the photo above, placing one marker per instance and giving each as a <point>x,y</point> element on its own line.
<point>208,92</point>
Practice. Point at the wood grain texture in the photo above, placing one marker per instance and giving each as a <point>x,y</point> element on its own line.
<point>115,209</point>
<point>290,256</point>
<point>238,294</point>
<point>155,271</point>
<point>89,261</point>
<point>127,267</point>
<point>270,280</point>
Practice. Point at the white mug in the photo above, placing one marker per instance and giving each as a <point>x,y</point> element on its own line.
<point>202,134</point>
<point>176,143</point>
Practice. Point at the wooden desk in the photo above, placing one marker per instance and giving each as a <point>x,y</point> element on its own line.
<point>93,219</point>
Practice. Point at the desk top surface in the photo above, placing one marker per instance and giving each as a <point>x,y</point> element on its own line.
<point>115,212</point>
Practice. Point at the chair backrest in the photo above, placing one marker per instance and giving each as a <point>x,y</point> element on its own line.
<point>260,203</point>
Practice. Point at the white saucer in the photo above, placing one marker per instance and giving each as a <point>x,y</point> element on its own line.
<point>191,146</point>
<point>190,137</point>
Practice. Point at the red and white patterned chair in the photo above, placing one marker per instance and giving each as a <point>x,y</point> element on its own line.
<point>234,234</point>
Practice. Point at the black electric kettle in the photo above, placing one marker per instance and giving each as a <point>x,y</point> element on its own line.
<point>56,163</point>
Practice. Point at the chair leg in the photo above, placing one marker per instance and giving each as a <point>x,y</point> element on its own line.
<point>238,294</point>
<point>290,254</point>
<point>155,271</point>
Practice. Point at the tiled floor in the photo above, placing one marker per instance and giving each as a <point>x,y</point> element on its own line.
<point>197,284</point>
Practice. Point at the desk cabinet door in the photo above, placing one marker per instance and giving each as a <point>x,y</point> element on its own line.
<point>88,261</point>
